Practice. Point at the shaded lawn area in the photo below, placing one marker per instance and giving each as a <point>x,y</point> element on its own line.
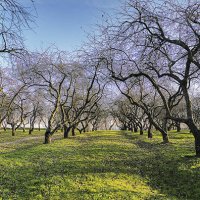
<point>101,165</point>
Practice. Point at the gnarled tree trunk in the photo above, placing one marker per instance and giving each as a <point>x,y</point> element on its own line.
<point>73,131</point>
<point>66,131</point>
<point>47,136</point>
<point>165,137</point>
<point>196,133</point>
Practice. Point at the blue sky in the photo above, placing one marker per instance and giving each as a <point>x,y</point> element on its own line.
<point>66,22</point>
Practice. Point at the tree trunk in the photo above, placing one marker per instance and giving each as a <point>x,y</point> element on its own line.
<point>47,137</point>
<point>164,131</point>
<point>178,126</point>
<point>13,129</point>
<point>73,131</point>
<point>125,127</point>
<point>141,131</point>
<point>196,133</point>
<point>24,129</point>
<point>66,131</point>
<point>165,137</point>
<point>31,128</point>
<point>150,135</point>
<point>30,131</point>
<point>135,129</point>
<point>39,126</point>
<point>164,125</point>
<point>197,144</point>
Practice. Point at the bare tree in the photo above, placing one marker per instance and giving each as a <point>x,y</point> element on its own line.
<point>68,89</point>
<point>157,41</point>
<point>14,19</point>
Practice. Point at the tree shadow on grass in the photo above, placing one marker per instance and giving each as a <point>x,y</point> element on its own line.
<point>129,135</point>
<point>44,176</point>
<point>175,175</point>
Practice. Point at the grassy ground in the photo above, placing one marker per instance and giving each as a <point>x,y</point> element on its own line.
<point>99,165</point>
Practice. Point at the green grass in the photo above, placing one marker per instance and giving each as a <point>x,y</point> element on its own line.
<point>100,165</point>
